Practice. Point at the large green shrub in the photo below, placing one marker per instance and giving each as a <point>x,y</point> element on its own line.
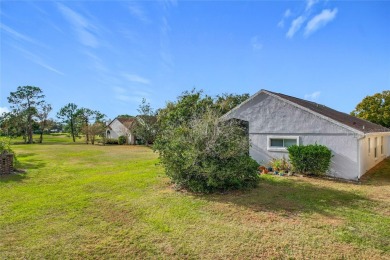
<point>200,153</point>
<point>310,159</point>
<point>122,139</point>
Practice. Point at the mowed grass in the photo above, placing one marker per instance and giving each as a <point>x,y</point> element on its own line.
<point>85,202</point>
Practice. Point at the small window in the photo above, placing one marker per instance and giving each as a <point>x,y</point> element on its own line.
<point>375,146</point>
<point>280,143</point>
<point>382,145</point>
<point>369,145</point>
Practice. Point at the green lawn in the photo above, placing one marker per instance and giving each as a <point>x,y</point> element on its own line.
<point>83,201</point>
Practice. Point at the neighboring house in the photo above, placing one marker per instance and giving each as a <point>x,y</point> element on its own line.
<point>121,126</point>
<point>277,121</point>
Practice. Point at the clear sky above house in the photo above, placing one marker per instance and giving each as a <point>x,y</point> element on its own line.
<point>108,55</point>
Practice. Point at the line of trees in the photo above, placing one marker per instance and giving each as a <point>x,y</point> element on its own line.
<point>30,113</point>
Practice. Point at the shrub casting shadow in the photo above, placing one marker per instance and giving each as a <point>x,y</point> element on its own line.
<point>289,197</point>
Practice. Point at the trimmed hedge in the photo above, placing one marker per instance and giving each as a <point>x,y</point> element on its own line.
<point>111,141</point>
<point>122,139</point>
<point>310,159</point>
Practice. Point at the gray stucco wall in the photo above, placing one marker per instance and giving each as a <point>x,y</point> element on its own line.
<point>270,116</point>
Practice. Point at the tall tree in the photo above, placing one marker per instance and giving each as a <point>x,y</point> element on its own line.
<point>13,125</point>
<point>375,108</point>
<point>145,126</point>
<point>88,117</point>
<point>68,115</point>
<point>227,102</point>
<point>25,100</point>
<point>42,115</point>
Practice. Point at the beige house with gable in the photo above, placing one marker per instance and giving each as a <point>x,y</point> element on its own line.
<point>121,126</point>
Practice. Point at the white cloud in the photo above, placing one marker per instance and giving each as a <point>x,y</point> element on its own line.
<point>138,12</point>
<point>256,45</point>
<point>310,3</point>
<point>37,60</point>
<point>83,28</point>
<point>295,26</point>
<point>287,13</point>
<point>165,53</point>
<point>313,96</point>
<point>3,110</point>
<point>135,78</point>
<point>18,35</point>
<point>320,20</point>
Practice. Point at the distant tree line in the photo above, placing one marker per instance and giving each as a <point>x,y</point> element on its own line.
<point>30,114</point>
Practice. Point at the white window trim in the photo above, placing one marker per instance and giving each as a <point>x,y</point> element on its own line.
<point>369,146</point>
<point>376,148</point>
<point>280,149</point>
<point>381,146</point>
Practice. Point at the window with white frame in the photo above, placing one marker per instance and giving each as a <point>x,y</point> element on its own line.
<point>369,145</point>
<point>375,147</point>
<point>280,143</point>
<point>381,145</point>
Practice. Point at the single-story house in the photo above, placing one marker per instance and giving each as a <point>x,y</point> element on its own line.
<point>277,121</point>
<point>121,126</point>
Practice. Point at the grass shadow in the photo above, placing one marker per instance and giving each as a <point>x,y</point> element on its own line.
<point>13,177</point>
<point>290,196</point>
<point>24,162</point>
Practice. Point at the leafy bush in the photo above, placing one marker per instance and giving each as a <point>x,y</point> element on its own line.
<point>310,159</point>
<point>199,152</point>
<point>5,146</point>
<point>111,141</point>
<point>122,139</point>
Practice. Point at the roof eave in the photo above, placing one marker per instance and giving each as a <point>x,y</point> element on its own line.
<point>316,114</point>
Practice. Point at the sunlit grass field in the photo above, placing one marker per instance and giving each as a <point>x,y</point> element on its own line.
<point>85,202</point>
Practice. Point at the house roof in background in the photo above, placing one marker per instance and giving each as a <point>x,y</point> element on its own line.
<point>126,121</point>
<point>343,118</point>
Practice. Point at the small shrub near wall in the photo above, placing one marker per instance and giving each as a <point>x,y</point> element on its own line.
<point>122,139</point>
<point>111,141</point>
<point>310,159</point>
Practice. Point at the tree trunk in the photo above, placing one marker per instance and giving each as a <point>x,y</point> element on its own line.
<point>41,137</point>
<point>72,130</point>
<point>29,130</point>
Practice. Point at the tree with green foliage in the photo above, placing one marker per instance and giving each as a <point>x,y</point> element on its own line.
<point>145,127</point>
<point>13,125</point>
<point>95,129</point>
<point>42,115</point>
<point>227,102</point>
<point>199,151</point>
<point>24,103</point>
<point>68,115</point>
<point>88,117</point>
<point>375,108</point>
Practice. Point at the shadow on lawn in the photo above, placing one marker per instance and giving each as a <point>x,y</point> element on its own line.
<point>26,163</point>
<point>288,196</point>
<point>379,175</point>
<point>14,177</point>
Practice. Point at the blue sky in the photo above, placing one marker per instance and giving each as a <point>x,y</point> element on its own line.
<point>108,55</point>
